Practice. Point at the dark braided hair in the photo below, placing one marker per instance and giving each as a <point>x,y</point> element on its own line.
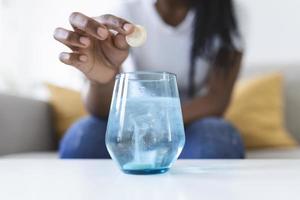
<point>214,19</point>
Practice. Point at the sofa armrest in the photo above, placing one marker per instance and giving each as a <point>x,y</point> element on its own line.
<point>25,125</point>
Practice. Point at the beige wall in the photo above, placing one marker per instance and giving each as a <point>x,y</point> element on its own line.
<point>272,31</point>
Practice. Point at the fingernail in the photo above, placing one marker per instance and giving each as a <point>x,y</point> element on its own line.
<point>83,58</point>
<point>79,21</point>
<point>84,40</point>
<point>61,34</point>
<point>64,56</point>
<point>102,32</point>
<point>128,27</point>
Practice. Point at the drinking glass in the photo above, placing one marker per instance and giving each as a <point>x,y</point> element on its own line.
<point>145,132</point>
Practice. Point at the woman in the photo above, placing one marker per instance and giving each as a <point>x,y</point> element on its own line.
<point>197,39</point>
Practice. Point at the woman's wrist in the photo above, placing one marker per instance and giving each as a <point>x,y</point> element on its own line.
<point>95,83</point>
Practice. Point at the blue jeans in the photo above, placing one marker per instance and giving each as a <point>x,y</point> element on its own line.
<point>206,138</point>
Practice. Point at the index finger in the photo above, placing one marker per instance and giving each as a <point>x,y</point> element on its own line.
<point>88,25</point>
<point>116,23</point>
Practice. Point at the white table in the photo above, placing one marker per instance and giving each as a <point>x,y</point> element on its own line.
<point>198,179</point>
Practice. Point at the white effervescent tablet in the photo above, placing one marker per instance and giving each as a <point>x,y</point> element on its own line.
<point>138,37</point>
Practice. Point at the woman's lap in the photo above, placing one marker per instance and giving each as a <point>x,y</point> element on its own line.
<point>85,139</point>
<point>206,138</point>
<point>212,138</point>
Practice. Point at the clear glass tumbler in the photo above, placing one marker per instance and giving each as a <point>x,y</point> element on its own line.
<point>145,132</point>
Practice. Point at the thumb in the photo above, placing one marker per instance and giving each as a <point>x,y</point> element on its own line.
<point>120,42</point>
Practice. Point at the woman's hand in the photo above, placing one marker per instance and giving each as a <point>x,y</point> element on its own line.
<point>96,50</point>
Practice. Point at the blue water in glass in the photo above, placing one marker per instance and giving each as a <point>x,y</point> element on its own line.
<point>145,135</point>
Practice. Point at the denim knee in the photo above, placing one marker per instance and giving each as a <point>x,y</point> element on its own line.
<point>213,138</point>
<point>85,139</point>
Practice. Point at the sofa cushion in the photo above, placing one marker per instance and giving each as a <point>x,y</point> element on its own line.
<point>291,91</point>
<point>277,153</point>
<point>257,112</point>
<point>26,125</point>
<point>67,108</point>
<point>33,155</point>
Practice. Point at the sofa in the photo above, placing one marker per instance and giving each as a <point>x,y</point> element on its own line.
<point>27,131</point>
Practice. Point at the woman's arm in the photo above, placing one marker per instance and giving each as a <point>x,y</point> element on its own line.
<point>97,53</point>
<point>98,98</point>
<point>220,84</point>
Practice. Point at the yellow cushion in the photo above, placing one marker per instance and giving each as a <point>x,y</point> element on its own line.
<point>257,112</point>
<point>68,107</point>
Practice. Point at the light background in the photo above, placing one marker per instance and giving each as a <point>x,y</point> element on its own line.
<point>29,54</point>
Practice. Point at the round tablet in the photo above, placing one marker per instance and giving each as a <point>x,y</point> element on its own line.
<point>138,37</point>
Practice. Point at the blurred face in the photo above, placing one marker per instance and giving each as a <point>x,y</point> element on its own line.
<point>173,2</point>
<point>172,11</point>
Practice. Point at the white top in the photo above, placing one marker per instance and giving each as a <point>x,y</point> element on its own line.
<point>188,179</point>
<point>167,48</point>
